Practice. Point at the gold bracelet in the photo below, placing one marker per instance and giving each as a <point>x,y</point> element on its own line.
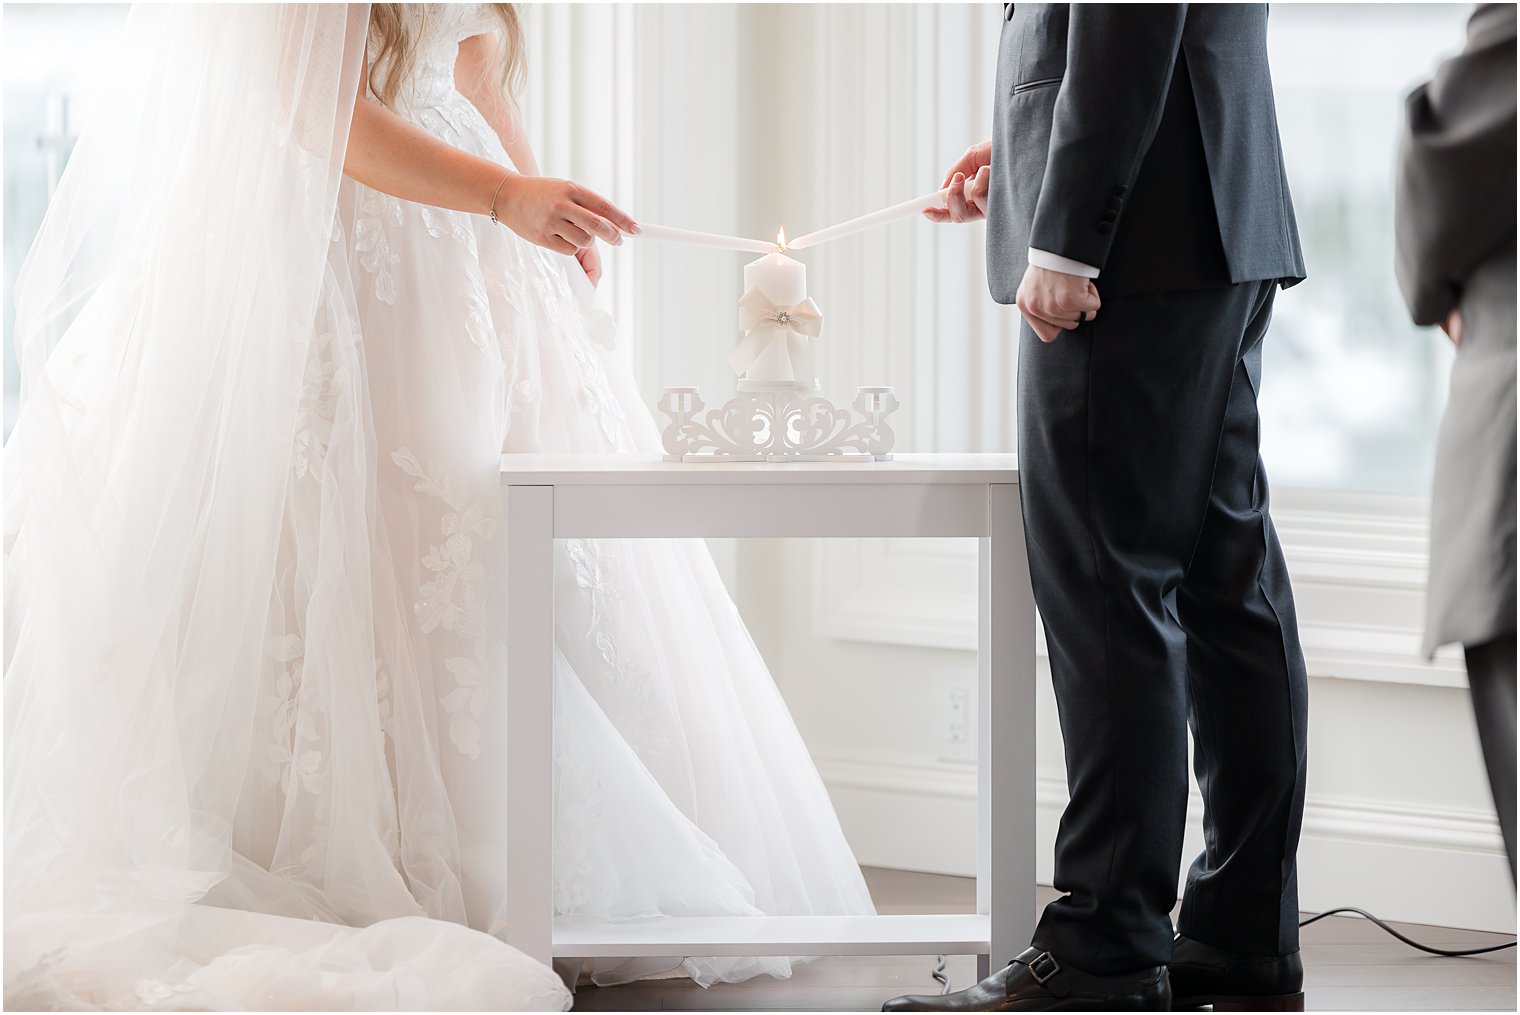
<point>494,196</point>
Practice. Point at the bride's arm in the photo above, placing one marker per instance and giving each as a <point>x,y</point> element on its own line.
<point>476,78</point>
<point>397,158</point>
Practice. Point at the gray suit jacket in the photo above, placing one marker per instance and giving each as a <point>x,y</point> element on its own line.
<point>1454,222</point>
<point>1142,139</point>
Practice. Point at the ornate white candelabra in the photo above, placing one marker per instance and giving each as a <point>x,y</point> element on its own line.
<point>780,422</point>
<point>778,414</point>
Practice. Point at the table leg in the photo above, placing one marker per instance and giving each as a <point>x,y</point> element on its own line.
<point>1005,743</point>
<point>529,701</point>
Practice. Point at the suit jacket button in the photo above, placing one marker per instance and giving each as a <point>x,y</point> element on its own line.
<point>1104,227</point>
<point>1114,203</point>
<point>1108,217</point>
<point>1119,190</point>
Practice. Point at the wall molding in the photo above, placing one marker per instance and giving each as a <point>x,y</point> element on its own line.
<point>1358,563</point>
<point>873,793</point>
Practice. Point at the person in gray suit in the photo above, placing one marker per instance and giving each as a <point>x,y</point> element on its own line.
<point>1454,221</point>
<point>1138,214</point>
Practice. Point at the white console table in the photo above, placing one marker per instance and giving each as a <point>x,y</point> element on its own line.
<point>551,497</point>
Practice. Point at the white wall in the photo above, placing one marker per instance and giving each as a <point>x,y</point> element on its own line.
<point>872,641</point>
<point>742,118</point>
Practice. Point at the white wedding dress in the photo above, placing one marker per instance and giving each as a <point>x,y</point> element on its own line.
<point>254,658</point>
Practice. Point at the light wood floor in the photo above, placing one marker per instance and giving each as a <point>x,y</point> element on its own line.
<point>1349,965</point>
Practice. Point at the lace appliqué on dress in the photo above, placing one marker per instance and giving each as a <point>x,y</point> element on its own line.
<point>384,707</point>
<point>453,599</point>
<point>441,222</point>
<point>318,405</point>
<point>593,566</point>
<point>293,761</point>
<point>594,580</point>
<point>376,255</point>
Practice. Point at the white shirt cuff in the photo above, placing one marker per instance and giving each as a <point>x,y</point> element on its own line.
<point>1065,265</point>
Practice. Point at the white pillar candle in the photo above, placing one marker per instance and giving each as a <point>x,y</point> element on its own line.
<point>783,281</point>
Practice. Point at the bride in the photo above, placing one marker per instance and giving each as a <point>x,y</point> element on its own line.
<point>272,342</point>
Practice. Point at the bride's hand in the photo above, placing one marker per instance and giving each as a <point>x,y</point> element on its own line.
<point>591,263</point>
<point>560,215</point>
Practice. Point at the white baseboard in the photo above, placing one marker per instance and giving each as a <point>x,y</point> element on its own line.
<point>1427,865</point>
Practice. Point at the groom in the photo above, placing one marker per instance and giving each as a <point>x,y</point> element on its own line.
<point>1135,154</point>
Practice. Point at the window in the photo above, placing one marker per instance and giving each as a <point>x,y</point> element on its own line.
<point>53,53</point>
<point>1351,390</point>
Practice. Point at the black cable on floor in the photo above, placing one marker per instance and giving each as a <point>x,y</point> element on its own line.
<point>1449,953</point>
<point>1453,953</point>
<point>939,974</point>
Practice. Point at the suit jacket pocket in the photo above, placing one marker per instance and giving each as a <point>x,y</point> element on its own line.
<point>1029,86</point>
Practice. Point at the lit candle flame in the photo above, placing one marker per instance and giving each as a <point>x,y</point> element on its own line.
<point>781,238</point>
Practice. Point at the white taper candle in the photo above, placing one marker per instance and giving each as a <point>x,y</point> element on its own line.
<point>693,238</point>
<point>898,211</point>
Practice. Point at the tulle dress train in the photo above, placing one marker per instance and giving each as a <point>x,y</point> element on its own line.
<point>331,710</point>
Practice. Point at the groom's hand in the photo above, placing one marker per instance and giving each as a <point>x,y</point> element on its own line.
<point>968,182</point>
<point>1053,301</point>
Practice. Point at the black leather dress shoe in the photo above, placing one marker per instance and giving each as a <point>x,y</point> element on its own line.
<point>1038,981</point>
<point>1233,981</point>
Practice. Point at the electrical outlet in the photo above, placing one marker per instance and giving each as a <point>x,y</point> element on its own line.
<point>958,716</point>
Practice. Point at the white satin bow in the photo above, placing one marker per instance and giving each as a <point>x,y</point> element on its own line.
<point>764,322</point>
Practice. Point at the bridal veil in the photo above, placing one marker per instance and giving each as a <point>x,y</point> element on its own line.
<point>165,325</point>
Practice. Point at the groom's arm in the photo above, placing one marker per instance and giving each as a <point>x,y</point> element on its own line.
<point>1119,65</point>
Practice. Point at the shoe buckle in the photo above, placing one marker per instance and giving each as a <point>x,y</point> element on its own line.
<point>1044,967</point>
